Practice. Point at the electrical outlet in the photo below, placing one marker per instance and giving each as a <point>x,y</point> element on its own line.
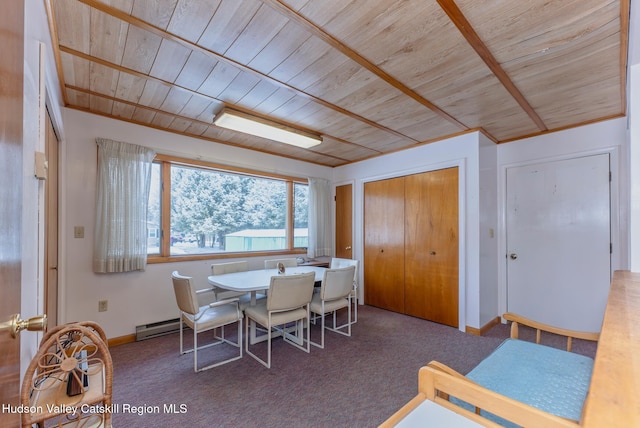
<point>102,305</point>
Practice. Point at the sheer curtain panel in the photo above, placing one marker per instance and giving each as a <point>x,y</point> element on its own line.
<point>124,178</point>
<point>319,218</point>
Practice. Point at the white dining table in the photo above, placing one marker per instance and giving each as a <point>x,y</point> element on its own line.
<point>258,280</point>
<point>252,281</point>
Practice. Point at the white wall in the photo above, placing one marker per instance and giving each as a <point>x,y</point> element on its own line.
<point>139,297</point>
<point>147,297</point>
<point>601,137</point>
<point>633,99</point>
<point>488,261</point>
<point>461,151</point>
<point>32,289</point>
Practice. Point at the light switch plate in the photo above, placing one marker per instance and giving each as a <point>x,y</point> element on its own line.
<point>41,166</point>
<point>78,231</point>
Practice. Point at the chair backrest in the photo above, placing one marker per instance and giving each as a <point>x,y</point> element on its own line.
<point>290,291</point>
<point>340,263</point>
<point>337,283</point>
<point>231,267</point>
<point>186,297</point>
<point>272,264</point>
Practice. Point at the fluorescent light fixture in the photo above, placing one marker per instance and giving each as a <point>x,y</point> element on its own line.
<point>259,127</point>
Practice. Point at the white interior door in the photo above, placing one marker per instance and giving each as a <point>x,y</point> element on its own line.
<point>558,241</point>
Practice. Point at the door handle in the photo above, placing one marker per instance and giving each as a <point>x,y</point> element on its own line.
<point>15,324</point>
<point>347,247</point>
<point>513,256</point>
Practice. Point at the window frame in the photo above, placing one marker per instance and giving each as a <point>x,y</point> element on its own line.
<point>166,161</point>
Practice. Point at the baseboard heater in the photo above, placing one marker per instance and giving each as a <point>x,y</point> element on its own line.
<point>156,329</point>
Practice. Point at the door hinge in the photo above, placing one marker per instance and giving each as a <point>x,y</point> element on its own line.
<point>610,248</point>
<point>609,176</point>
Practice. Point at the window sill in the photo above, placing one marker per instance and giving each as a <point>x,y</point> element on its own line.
<point>153,259</point>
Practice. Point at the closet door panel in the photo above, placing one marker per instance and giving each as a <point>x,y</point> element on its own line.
<point>384,244</point>
<point>431,245</point>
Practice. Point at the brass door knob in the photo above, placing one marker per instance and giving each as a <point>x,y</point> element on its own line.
<point>15,324</point>
<point>513,256</point>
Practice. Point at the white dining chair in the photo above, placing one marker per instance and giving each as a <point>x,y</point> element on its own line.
<point>336,263</point>
<point>335,294</point>
<point>233,267</point>
<point>287,302</point>
<point>204,318</point>
<point>272,264</point>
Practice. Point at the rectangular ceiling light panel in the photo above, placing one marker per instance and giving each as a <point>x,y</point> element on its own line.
<point>247,124</point>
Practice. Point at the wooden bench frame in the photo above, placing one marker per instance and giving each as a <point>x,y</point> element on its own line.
<point>437,382</point>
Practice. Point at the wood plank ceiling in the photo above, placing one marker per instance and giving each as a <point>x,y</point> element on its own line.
<point>371,76</point>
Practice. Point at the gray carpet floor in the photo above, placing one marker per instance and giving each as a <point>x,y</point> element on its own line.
<point>356,381</point>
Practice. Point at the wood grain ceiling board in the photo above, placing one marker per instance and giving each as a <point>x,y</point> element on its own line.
<point>156,12</point>
<point>76,70</point>
<point>374,76</point>
<point>229,20</point>
<point>287,41</point>
<point>100,105</point>
<point>130,87</point>
<point>73,32</point>
<point>122,110</point>
<point>411,119</point>
<point>195,71</point>
<point>260,31</point>
<point>145,26</point>
<point>190,18</point>
<point>566,58</point>
<point>431,56</point>
<point>76,99</point>
<point>349,152</point>
<point>103,79</point>
<point>169,61</point>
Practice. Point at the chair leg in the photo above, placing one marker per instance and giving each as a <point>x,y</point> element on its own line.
<point>355,307</point>
<point>195,348</point>
<point>181,346</point>
<point>267,363</point>
<point>355,304</point>
<point>340,328</point>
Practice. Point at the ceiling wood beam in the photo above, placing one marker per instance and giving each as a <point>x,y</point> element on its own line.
<point>460,21</point>
<point>177,39</point>
<point>286,11</point>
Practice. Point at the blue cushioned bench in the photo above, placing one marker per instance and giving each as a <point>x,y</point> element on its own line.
<point>519,384</point>
<point>549,379</point>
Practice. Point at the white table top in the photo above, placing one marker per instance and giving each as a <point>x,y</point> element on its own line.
<point>256,280</point>
<point>430,414</point>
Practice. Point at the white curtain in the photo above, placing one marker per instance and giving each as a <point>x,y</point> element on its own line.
<point>320,233</point>
<point>124,178</point>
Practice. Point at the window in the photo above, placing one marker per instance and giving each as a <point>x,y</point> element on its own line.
<point>207,211</point>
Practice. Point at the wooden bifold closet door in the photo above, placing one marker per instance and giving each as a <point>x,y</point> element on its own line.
<point>411,245</point>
